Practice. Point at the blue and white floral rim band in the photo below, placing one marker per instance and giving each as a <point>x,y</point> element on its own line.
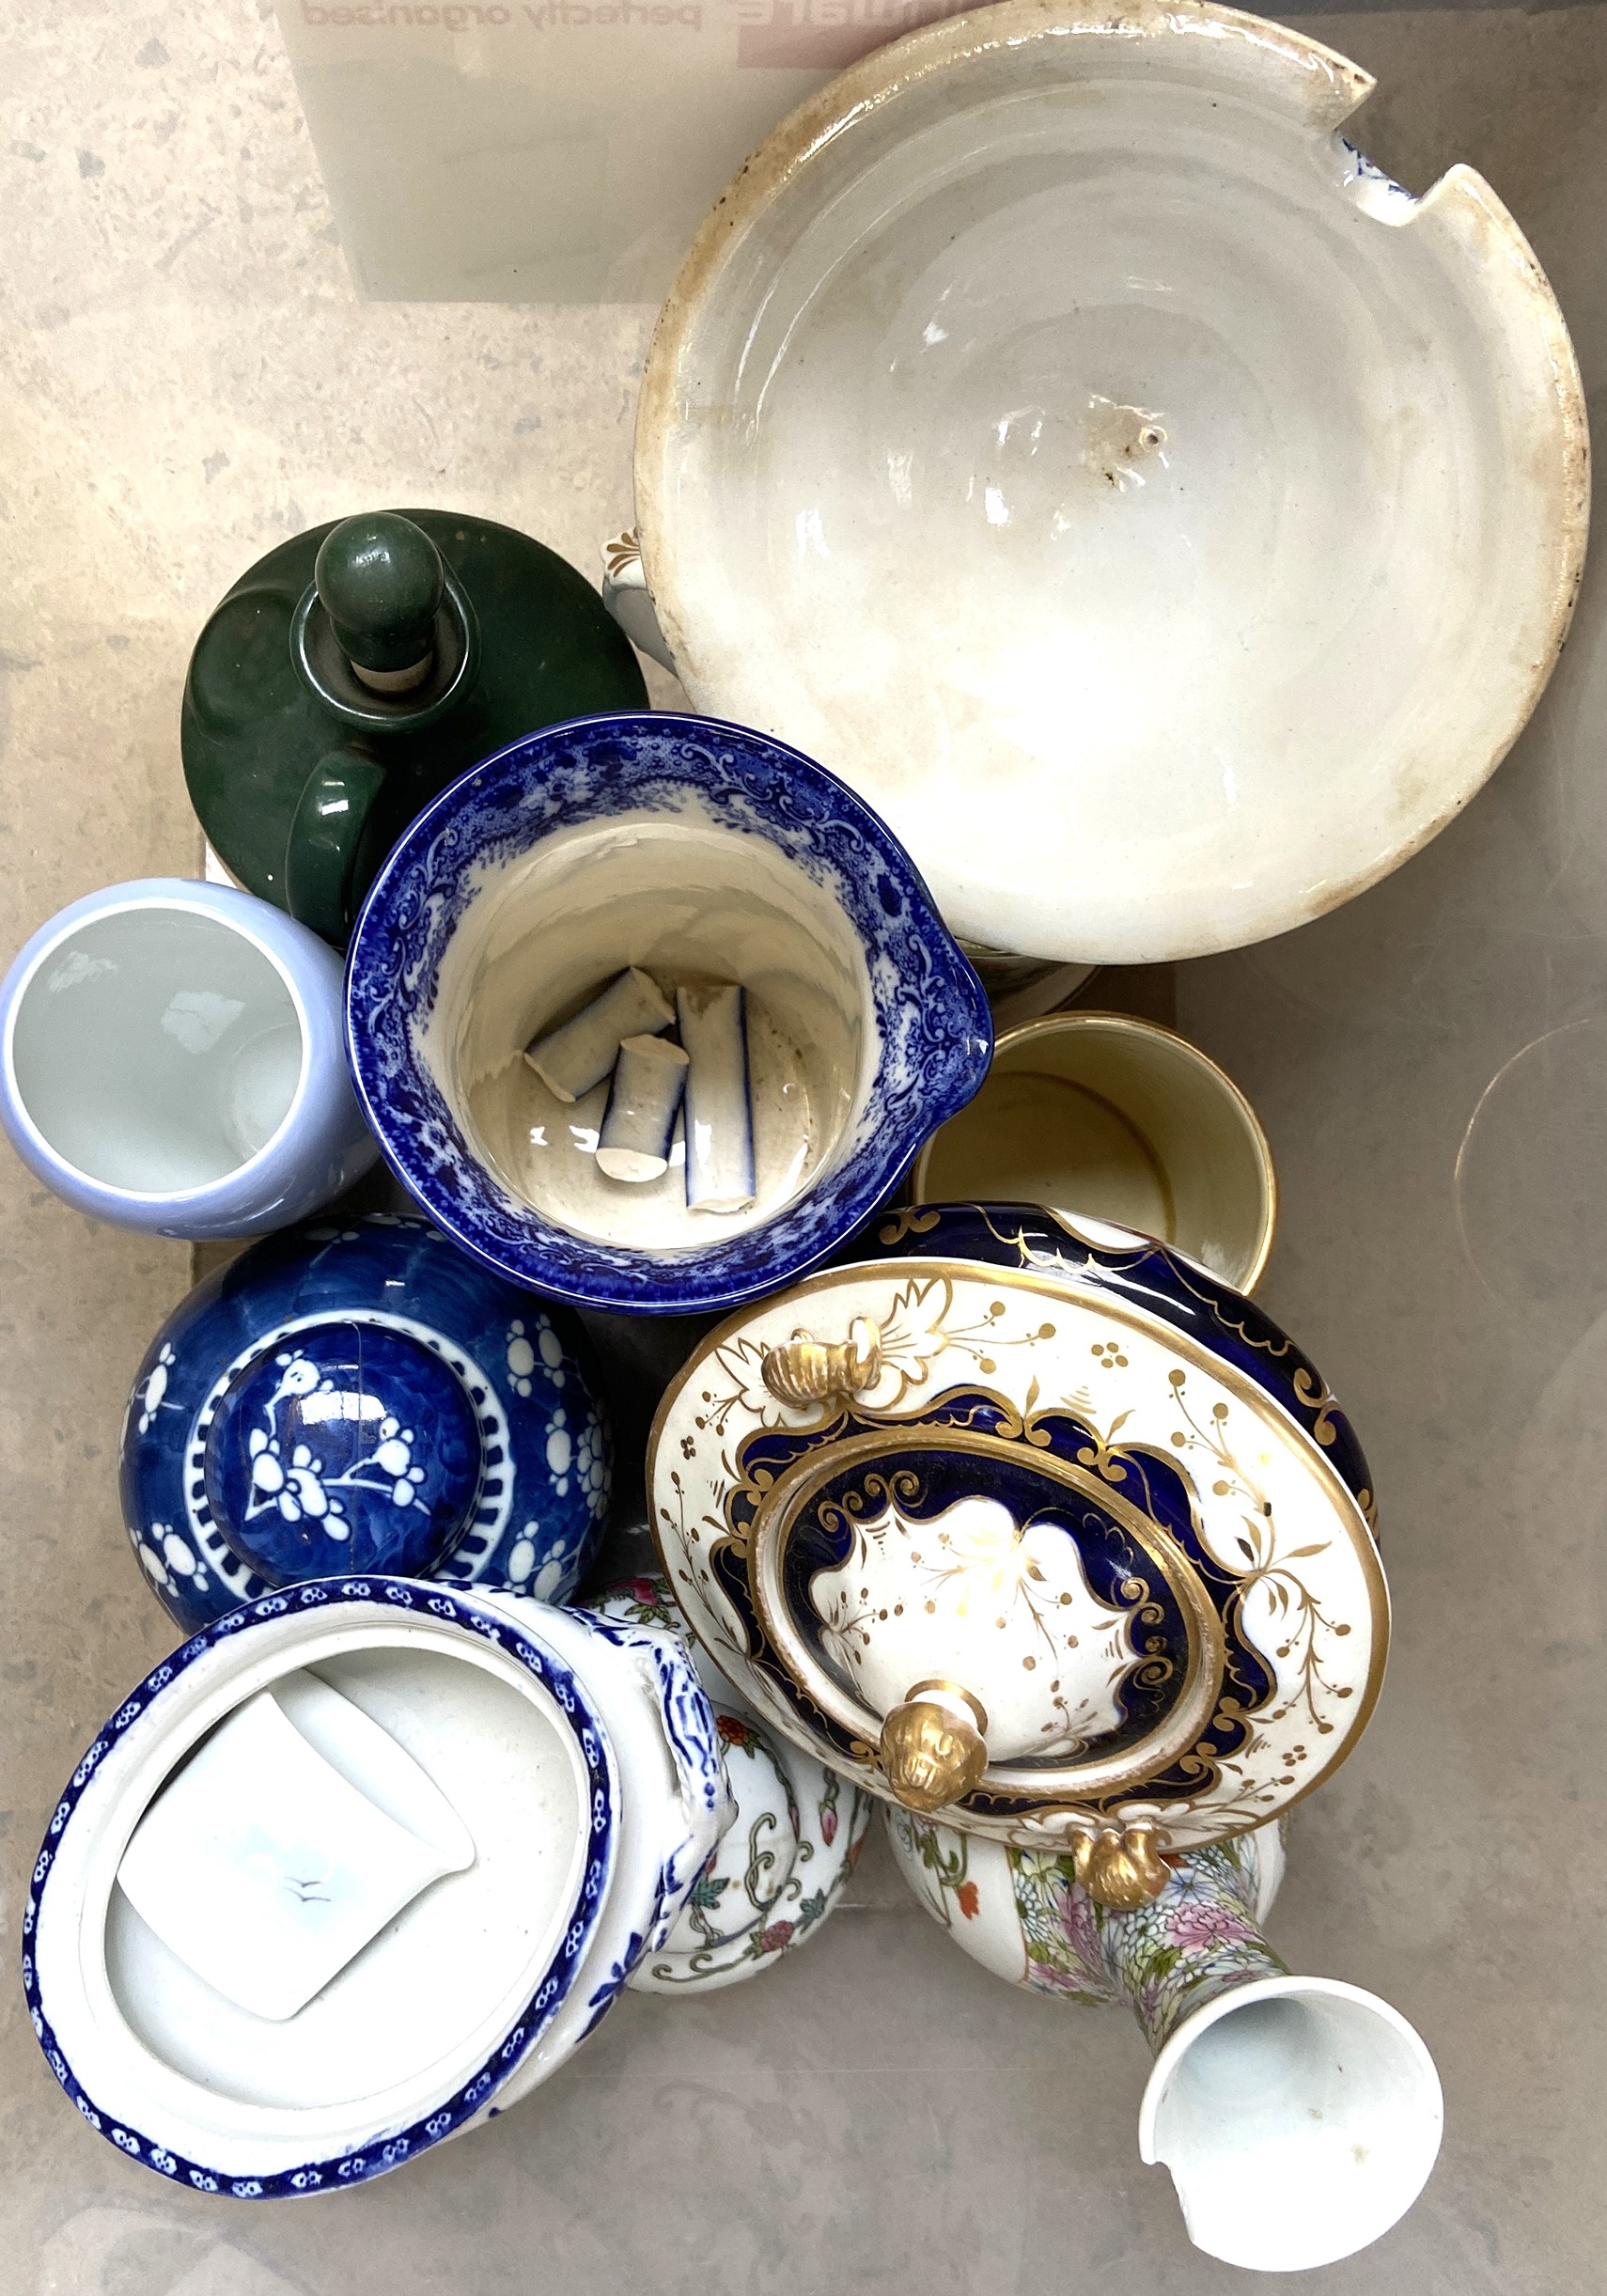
<point>109,1760</point>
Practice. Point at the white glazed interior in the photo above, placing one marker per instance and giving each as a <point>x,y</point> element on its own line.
<point>1300,2117</point>
<point>880,1642</point>
<point>276,1851</point>
<point>1162,520</point>
<point>413,2016</point>
<point>685,900</point>
<point>157,1049</point>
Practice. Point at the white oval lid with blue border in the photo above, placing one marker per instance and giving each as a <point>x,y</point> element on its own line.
<point>1043,1490</point>
<point>321,1883</point>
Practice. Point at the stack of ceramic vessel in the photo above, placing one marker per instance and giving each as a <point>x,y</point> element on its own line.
<point>1067,570</point>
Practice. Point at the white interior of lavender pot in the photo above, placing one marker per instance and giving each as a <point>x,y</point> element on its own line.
<point>1300,2117</point>
<point>1091,430</point>
<point>686,900</point>
<point>157,1049</point>
<point>423,2002</point>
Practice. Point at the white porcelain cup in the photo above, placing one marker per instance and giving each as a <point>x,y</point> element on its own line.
<point>172,1058</point>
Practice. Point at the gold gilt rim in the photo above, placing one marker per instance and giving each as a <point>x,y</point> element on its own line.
<point>778,1510</point>
<point>1237,1382</point>
<point>1128,1024</point>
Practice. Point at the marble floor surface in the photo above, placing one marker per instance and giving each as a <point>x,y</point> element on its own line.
<point>186,377</point>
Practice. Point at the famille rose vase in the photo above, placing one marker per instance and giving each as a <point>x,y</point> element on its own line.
<point>1031,1523</point>
<point>1023,1915</point>
<point>1318,2098</point>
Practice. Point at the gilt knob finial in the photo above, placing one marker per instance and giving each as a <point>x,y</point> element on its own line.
<point>932,1750</point>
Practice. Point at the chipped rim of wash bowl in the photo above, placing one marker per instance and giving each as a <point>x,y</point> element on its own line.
<point>161,2065</point>
<point>472,938</point>
<point>62,1125</point>
<point>1059,398</point>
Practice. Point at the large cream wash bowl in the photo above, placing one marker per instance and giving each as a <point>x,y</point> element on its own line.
<point>1061,432</point>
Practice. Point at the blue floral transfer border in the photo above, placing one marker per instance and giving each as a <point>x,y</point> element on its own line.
<point>464,2103</point>
<point>931,1011</point>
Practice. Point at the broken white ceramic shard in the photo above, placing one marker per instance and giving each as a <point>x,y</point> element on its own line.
<point>572,1058</point>
<point>718,1113</point>
<point>286,1844</point>
<point>639,1123</point>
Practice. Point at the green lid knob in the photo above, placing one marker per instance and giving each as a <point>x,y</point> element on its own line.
<point>380,578</point>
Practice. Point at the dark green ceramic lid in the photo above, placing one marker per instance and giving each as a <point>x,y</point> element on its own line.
<point>309,743</point>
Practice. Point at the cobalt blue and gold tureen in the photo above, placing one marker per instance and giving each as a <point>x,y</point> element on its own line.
<point>1034,1522</point>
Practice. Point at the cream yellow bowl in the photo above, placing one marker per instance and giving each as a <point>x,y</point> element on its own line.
<point>1108,1115</point>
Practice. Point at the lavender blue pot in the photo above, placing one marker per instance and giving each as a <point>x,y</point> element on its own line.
<point>697,852</point>
<point>360,1396</point>
<point>171,1060</point>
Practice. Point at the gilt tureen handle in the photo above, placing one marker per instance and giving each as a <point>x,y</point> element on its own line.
<point>804,1370</point>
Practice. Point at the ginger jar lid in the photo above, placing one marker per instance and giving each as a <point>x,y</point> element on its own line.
<point>360,1395</point>
<point>348,1445</point>
<point>359,667</point>
<point>1033,1524</point>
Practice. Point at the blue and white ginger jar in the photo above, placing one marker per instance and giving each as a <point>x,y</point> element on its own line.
<point>362,1397</point>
